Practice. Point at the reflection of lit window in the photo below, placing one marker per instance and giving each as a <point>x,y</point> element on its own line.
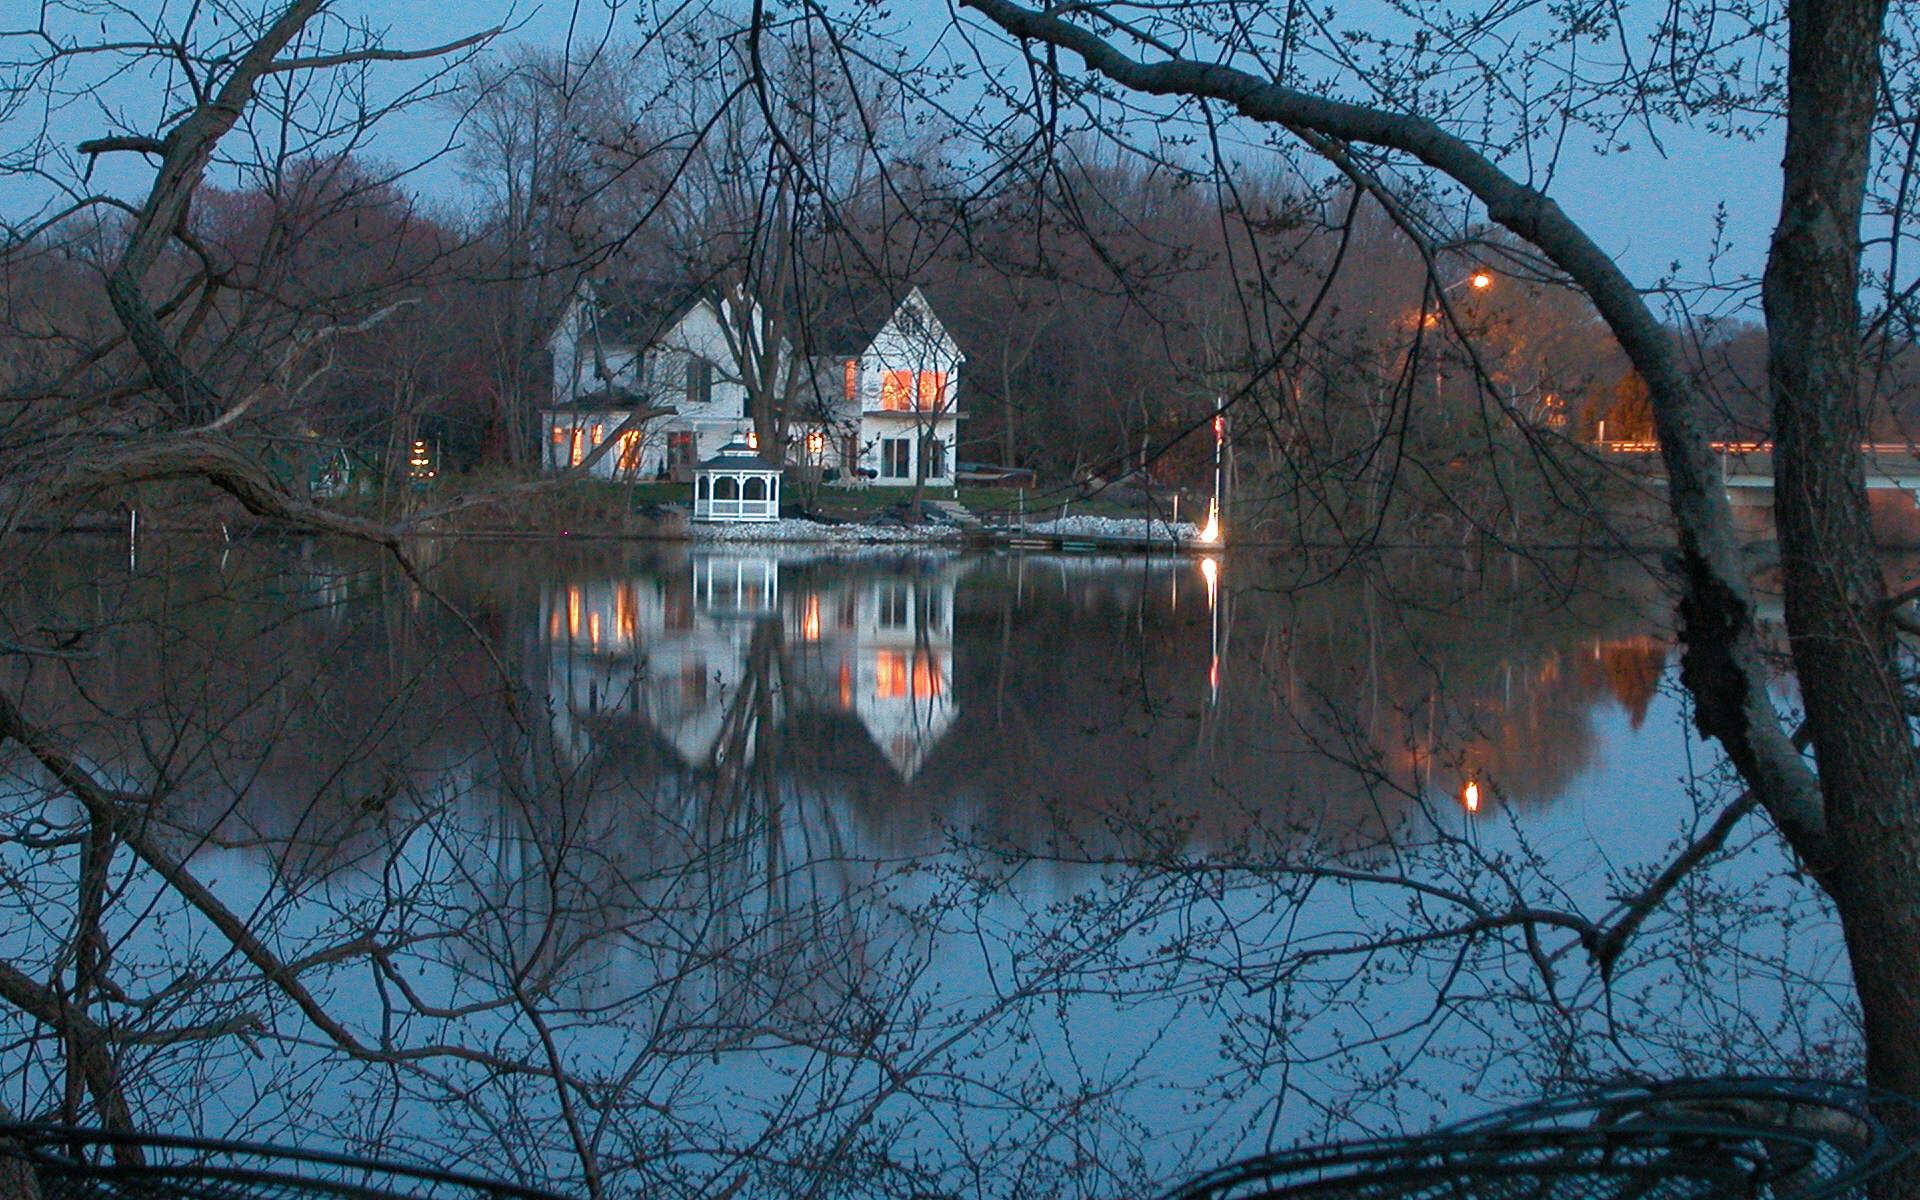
<point>926,675</point>
<point>893,680</point>
<point>693,682</point>
<point>678,606</point>
<point>573,612</point>
<point>593,629</point>
<point>890,674</point>
<point>846,685</point>
<point>626,613</point>
<point>810,618</point>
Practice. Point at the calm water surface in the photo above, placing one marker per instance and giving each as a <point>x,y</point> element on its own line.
<point>889,873</point>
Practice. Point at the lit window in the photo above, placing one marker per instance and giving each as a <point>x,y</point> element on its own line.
<point>853,379</point>
<point>559,435</point>
<point>816,443</point>
<point>630,451</point>
<point>896,391</point>
<point>933,386</point>
<point>599,432</point>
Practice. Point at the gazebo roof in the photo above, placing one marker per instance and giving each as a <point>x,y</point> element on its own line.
<point>736,455</point>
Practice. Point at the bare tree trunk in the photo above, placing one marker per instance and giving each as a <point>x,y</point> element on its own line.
<point>1843,641</point>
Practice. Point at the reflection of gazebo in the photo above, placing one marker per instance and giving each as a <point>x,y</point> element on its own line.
<point>736,485</point>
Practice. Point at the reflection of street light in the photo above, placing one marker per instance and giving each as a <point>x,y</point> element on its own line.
<point>1470,797</point>
<point>1210,571</point>
<point>1480,280</point>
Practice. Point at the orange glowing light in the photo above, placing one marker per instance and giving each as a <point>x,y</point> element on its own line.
<point>1470,797</point>
<point>810,619</point>
<point>890,674</point>
<point>1481,280</point>
<point>1210,532</point>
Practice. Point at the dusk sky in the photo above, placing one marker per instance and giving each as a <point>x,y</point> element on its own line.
<point>1650,207</point>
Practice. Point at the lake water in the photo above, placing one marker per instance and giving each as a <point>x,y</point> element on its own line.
<point>778,872</point>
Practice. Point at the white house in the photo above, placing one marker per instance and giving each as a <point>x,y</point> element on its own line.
<point>884,397</point>
<point>878,404</point>
<point>621,350</point>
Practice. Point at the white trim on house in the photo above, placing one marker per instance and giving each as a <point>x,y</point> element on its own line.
<point>890,414</point>
<point>895,403</point>
<point>604,369</point>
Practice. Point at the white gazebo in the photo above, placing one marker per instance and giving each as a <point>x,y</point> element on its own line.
<point>736,485</point>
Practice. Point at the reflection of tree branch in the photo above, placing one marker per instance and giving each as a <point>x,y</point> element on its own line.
<point>1606,949</point>
<point>104,807</point>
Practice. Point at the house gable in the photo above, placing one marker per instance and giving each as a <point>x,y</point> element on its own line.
<point>887,407</point>
<point>619,348</point>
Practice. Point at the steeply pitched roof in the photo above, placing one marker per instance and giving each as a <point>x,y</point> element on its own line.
<point>847,323</point>
<point>637,313</point>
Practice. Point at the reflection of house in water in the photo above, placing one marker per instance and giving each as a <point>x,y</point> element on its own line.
<point>680,654</point>
<point>882,650</point>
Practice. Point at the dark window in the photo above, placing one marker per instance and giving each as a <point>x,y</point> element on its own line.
<point>726,488</point>
<point>933,458</point>
<point>895,455</point>
<point>679,449</point>
<point>756,489</point>
<point>699,381</point>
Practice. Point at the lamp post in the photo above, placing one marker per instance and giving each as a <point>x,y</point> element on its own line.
<point>1210,532</point>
